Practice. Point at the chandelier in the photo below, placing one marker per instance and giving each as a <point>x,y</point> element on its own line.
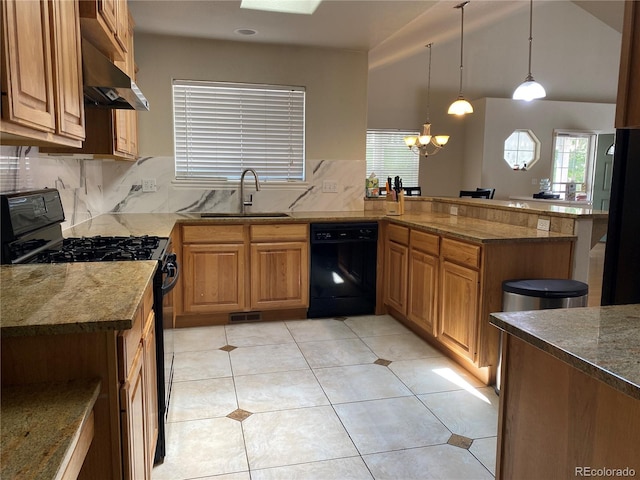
<point>420,144</point>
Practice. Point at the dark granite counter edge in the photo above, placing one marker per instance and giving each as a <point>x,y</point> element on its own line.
<point>621,384</point>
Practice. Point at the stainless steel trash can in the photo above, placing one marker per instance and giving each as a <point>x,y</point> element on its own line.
<point>539,294</point>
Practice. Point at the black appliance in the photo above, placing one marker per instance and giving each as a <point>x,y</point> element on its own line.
<point>31,232</point>
<point>343,269</point>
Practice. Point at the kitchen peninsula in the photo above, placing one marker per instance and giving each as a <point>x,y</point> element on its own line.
<point>570,398</point>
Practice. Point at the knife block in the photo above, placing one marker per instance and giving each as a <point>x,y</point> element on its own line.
<point>393,207</point>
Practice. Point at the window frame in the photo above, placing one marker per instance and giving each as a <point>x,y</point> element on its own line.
<point>559,187</point>
<point>535,152</point>
<point>228,181</point>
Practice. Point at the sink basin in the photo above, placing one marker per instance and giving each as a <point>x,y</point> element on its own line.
<point>244,215</point>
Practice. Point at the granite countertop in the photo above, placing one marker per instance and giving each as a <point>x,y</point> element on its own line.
<point>41,425</point>
<point>71,297</point>
<point>603,342</point>
<point>464,228</point>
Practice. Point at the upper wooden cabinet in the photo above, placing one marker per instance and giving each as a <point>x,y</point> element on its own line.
<point>105,24</point>
<point>42,99</point>
<point>628,104</point>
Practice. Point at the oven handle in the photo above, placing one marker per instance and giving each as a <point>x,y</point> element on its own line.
<point>173,272</point>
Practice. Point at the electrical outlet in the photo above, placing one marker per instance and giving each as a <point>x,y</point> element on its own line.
<point>149,185</point>
<point>454,210</point>
<point>534,181</point>
<point>329,186</point>
<point>544,224</point>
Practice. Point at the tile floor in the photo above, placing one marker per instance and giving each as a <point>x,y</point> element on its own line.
<point>354,398</point>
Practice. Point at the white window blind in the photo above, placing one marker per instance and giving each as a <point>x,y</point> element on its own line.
<point>388,156</point>
<point>15,169</point>
<point>220,129</point>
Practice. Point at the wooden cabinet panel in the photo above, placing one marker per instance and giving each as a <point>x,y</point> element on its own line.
<point>462,253</point>
<point>398,234</point>
<point>133,422</point>
<point>101,21</point>
<point>423,288</point>
<point>150,392</point>
<point>214,278</point>
<point>270,233</point>
<point>279,275</point>
<point>425,242</point>
<point>396,265</point>
<point>27,77</point>
<point>628,102</point>
<point>212,234</point>
<point>459,300</point>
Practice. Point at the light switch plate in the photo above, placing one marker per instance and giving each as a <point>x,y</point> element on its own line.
<point>454,210</point>
<point>149,185</point>
<point>329,186</point>
<point>544,224</point>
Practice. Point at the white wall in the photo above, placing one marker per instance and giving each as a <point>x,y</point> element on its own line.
<point>495,120</point>
<point>575,56</point>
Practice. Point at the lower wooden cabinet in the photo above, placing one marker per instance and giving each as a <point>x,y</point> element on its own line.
<point>396,262</point>
<point>133,421</point>
<point>423,287</point>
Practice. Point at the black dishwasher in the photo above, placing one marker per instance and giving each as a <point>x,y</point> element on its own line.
<point>343,269</point>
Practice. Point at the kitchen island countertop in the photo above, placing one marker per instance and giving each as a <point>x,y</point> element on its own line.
<point>603,342</point>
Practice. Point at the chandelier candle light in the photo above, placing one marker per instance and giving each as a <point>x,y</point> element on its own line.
<point>421,143</point>
<point>529,89</point>
<point>461,106</point>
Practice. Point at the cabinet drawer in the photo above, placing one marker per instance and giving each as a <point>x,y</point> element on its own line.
<point>128,343</point>
<point>398,234</point>
<point>425,242</point>
<point>269,233</point>
<point>212,233</point>
<point>461,253</point>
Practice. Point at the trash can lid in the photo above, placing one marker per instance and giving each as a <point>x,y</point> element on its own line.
<point>546,288</point>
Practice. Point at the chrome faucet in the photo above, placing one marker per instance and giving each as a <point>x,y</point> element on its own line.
<point>242,201</point>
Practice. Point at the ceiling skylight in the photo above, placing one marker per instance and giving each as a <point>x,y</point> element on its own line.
<point>305,7</point>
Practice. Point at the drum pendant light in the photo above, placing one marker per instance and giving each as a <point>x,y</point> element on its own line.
<point>461,106</point>
<point>529,89</point>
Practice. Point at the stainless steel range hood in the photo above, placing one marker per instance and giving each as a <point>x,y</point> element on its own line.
<point>105,85</point>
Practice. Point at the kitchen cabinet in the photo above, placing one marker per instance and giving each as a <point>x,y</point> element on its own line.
<point>138,393</point>
<point>243,267</point>
<point>423,280</point>
<point>459,297</point>
<point>396,267</point>
<point>42,98</point>
<point>279,266</point>
<point>213,259</point>
<point>104,24</point>
<point>110,133</point>
<point>628,102</point>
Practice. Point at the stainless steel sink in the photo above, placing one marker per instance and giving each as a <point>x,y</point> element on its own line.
<point>244,215</point>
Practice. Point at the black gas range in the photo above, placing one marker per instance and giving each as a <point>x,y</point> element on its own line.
<point>31,232</point>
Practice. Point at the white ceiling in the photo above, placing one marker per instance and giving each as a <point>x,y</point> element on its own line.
<point>384,28</point>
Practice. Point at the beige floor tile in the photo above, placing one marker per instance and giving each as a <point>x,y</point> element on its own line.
<point>267,359</point>
<point>198,338</point>
<point>473,414</point>
<point>484,449</point>
<point>202,448</point>
<point>201,365</point>
<point>279,391</point>
<point>333,353</point>
<point>252,334</point>
<point>228,476</point>
<point>405,346</point>
<point>372,325</point>
<point>360,382</point>
<point>317,330</point>
<point>391,424</point>
<point>200,399</point>
<point>443,462</point>
<point>290,437</point>
<point>435,374</point>
<point>352,468</point>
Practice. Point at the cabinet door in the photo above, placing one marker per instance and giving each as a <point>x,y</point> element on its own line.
<point>150,392</point>
<point>68,61</point>
<point>423,280</point>
<point>395,271</point>
<point>279,275</point>
<point>133,422</point>
<point>459,300</point>
<point>27,76</point>
<point>214,278</point>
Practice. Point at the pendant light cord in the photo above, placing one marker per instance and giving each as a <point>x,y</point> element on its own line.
<point>530,35</point>
<point>461,7</point>
<point>429,82</point>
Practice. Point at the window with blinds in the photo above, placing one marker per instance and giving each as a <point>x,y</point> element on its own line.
<point>388,156</point>
<point>15,169</point>
<point>220,129</point>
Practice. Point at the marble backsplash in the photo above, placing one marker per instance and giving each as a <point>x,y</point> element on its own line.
<point>90,187</point>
